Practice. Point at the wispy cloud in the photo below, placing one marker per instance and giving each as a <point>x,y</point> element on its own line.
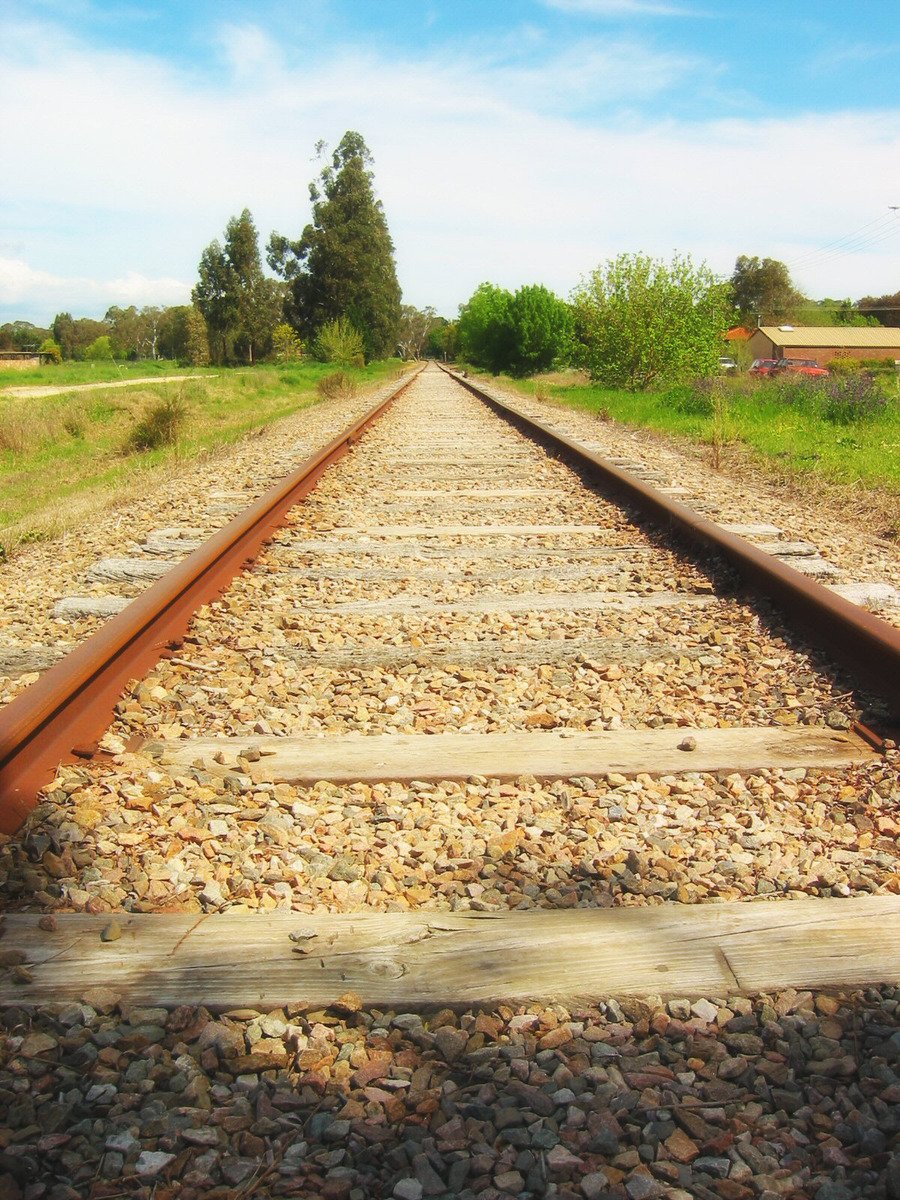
<point>517,168</point>
<point>851,53</point>
<point>620,8</point>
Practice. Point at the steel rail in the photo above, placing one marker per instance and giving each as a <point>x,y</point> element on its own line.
<point>60,717</point>
<point>868,646</point>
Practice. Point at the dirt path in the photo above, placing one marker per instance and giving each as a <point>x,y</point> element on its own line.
<point>26,393</point>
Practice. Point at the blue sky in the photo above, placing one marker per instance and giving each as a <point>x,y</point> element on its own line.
<point>516,142</point>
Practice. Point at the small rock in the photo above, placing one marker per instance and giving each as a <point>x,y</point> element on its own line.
<point>347,1004</point>
<point>152,1162</point>
<point>408,1189</point>
<point>704,1011</point>
<point>450,1042</point>
<point>594,1185</point>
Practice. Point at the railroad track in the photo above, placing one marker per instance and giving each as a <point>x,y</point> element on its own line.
<point>465,734</point>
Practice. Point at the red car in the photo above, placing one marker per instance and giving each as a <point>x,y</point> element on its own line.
<point>762,367</point>
<point>799,366</point>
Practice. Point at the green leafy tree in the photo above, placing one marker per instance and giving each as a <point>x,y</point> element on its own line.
<point>286,346</point>
<point>885,309</point>
<point>74,336</point>
<point>172,331</point>
<point>441,341</point>
<point>340,342</point>
<point>642,322</point>
<point>414,330</point>
<point>63,333</point>
<point>100,350</point>
<point>764,291</point>
<point>196,338</point>
<point>240,305</point>
<point>486,333</point>
<point>258,299</point>
<point>127,332</point>
<point>343,263</point>
<point>542,328</point>
<point>21,335</point>
<point>215,297</point>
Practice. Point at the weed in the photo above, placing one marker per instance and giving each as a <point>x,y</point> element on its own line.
<point>336,386</point>
<point>340,342</point>
<point>16,433</point>
<point>693,400</point>
<point>161,425</point>
<point>852,398</point>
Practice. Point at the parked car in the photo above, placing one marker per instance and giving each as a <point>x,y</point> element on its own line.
<point>800,366</point>
<point>727,364</point>
<point>761,367</point>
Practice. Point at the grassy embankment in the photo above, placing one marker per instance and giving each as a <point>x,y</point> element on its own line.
<point>787,428</point>
<point>64,457</point>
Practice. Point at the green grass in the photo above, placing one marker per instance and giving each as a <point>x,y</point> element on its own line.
<point>95,372</point>
<point>63,457</point>
<point>785,426</point>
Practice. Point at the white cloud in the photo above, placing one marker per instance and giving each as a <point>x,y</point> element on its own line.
<point>22,284</point>
<point>483,171</point>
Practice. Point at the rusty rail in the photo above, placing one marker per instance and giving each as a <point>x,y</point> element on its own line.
<point>61,716</point>
<point>868,646</point>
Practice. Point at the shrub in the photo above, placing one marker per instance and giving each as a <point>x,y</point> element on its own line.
<point>800,391</point>
<point>336,386</point>
<point>100,350</point>
<point>340,342</point>
<point>851,398</point>
<point>160,425</point>
<point>844,366</point>
<point>50,351</point>
<point>646,323</point>
<point>286,345</point>
<point>694,400</point>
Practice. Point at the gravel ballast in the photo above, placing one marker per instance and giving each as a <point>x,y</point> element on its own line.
<point>344,628</point>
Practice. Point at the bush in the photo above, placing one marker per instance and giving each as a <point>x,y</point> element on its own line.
<point>336,386</point>
<point>694,400</point>
<point>844,366</point>
<point>647,323</point>
<point>851,398</point>
<point>340,342</point>
<point>50,351</point>
<point>160,425</point>
<point>286,345</point>
<point>100,350</point>
<point>800,391</point>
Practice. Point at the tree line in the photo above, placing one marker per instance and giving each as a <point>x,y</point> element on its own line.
<point>334,294</point>
<point>636,322</point>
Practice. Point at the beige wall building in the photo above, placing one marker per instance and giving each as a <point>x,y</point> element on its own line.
<point>824,342</point>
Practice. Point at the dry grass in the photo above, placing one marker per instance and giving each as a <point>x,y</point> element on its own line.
<point>57,518</point>
<point>336,386</point>
<point>26,425</point>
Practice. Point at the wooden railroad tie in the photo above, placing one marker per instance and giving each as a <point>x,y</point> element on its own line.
<point>305,760</point>
<point>411,960</point>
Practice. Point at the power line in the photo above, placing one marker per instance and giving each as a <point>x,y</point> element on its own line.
<point>873,233</point>
<point>851,236</point>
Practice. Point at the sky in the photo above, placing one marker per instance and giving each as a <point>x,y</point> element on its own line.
<point>515,142</point>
